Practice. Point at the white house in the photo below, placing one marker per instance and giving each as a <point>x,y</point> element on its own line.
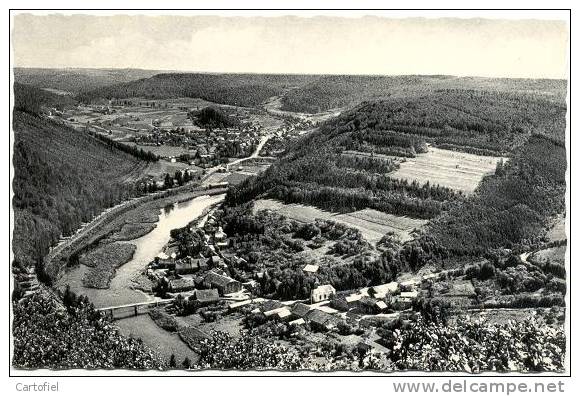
<point>322,293</point>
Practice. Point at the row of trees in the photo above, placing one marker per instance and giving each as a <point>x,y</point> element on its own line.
<point>133,150</point>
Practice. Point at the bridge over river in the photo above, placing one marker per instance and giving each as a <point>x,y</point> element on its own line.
<point>135,309</point>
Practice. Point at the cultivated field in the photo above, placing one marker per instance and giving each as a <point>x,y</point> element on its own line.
<point>373,224</point>
<point>456,170</point>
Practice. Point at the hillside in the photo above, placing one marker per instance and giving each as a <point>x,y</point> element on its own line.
<point>33,100</point>
<point>232,89</point>
<point>74,81</point>
<point>61,179</point>
<point>350,164</point>
<point>330,92</point>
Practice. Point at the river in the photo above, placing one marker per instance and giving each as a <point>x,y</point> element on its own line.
<point>147,247</point>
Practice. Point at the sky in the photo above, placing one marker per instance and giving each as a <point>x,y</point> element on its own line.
<point>316,45</point>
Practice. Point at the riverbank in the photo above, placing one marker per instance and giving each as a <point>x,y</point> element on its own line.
<point>103,263</point>
<point>125,285</point>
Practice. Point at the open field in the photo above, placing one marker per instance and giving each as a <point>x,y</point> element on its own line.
<point>555,255</point>
<point>372,223</point>
<point>558,230</point>
<point>162,342</point>
<point>456,170</point>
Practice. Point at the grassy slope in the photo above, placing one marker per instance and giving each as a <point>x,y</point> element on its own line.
<point>62,178</point>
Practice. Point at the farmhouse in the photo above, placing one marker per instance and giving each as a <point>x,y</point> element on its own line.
<point>322,293</point>
<point>223,283</point>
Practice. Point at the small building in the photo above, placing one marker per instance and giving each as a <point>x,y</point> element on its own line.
<point>408,285</point>
<point>322,293</point>
<point>381,305</point>
<point>188,265</point>
<point>281,312</point>
<point>381,291</point>
<point>428,277</point>
<point>223,283</point>
<point>310,268</point>
<point>410,295</point>
<point>216,261</point>
<point>220,235</point>
<point>353,299</point>
<point>320,320</point>
<point>297,322</point>
<point>300,310</point>
<point>238,304</point>
<point>207,296</point>
<point>181,285</point>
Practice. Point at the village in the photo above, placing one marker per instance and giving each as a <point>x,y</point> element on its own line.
<point>201,291</point>
<point>169,128</point>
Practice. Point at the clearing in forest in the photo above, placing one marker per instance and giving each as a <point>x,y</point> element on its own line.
<point>453,169</point>
<point>371,223</point>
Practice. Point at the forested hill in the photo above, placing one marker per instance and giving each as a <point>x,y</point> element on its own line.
<point>61,179</point>
<point>74,81</point>
<point>32,100</point>
<point>328,92</point>
<point>232,89</point>
<point>344,166</point>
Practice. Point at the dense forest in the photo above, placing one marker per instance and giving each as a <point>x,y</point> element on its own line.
<point>210,117</point>
<point>233,89</point>
<point>511,208</point>
<point>61,179</point>
<point>33,100</point>
<point>329,92</point>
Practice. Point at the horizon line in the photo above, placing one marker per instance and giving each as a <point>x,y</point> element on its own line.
<point>176,71</point>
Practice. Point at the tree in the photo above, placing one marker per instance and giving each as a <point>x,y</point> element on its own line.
<point>186,363</point>
<point>168,182</point>
<point>172,362</point>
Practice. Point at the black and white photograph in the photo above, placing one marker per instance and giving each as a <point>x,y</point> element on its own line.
<point>291,192</point>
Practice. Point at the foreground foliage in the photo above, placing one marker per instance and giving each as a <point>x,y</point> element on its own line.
<point>474,346</point>
<point>74,336</point>
<point>245,353</point>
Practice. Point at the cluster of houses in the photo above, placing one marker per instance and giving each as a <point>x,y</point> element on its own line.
<point>327,308</point>
<point>204,148</point>
<point>204,277</point>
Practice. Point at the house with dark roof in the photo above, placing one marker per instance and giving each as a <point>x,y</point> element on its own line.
<point>223,283</point>
<point>320,320</point>
<point>207,296</point>
<point>189,265</point>
<point>181,285</point>
<point>300,310</point>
